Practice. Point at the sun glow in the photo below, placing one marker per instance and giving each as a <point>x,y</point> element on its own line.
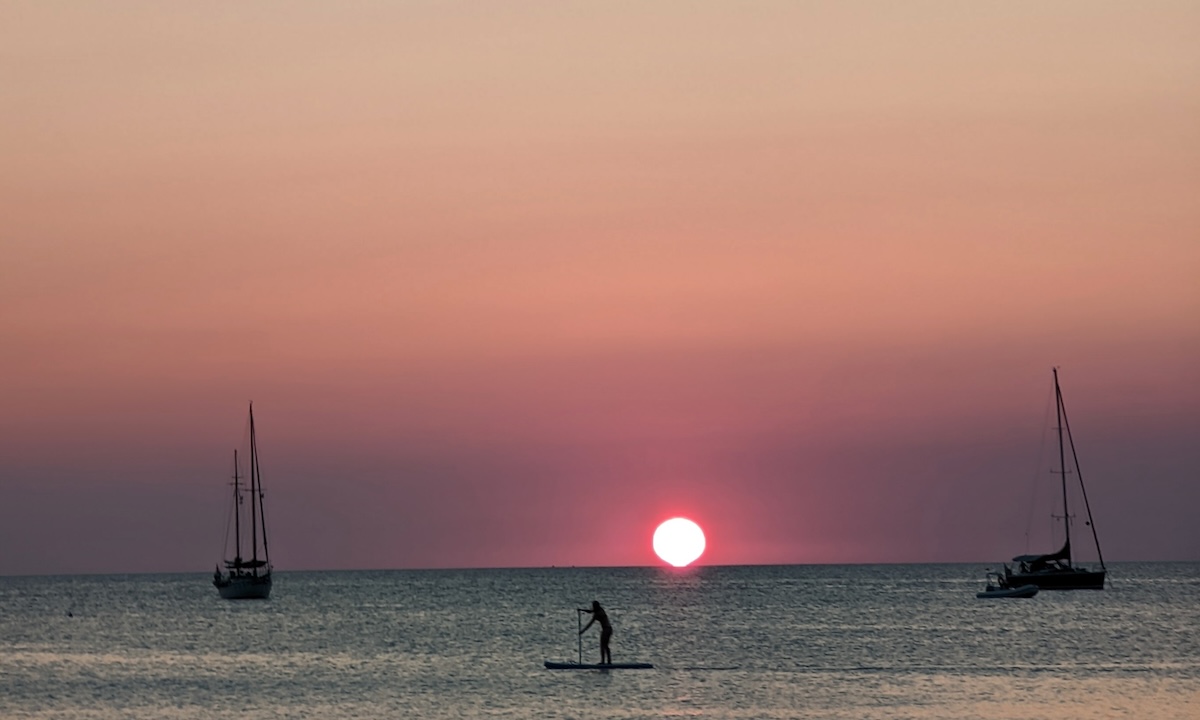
<point>679,542</point>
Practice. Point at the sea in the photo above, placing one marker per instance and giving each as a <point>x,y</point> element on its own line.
<point>814,641</point>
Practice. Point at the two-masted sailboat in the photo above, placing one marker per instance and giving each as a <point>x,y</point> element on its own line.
<point>1057,571</point>
<point>246,579</point>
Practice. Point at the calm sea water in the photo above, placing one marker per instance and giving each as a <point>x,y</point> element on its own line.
<point>857,642</point>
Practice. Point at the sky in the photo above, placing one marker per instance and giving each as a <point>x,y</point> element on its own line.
<point>511,283</point>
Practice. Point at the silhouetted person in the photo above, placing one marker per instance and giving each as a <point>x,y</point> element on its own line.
<point>598,615</point>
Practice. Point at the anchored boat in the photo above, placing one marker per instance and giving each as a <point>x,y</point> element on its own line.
<point>1057,570</point>
<point>998,587</point>
<point>246,579</point>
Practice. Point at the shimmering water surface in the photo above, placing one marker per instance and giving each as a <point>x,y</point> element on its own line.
<point>896,641</point>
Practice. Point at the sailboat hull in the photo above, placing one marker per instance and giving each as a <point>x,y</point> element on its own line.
<point>1072,579</point>
<point>244,588</point>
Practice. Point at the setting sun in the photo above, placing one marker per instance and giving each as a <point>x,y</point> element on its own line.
<point>679,541</point>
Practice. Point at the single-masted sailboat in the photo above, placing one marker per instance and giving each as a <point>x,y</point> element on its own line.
<point>246,579</point>
<point>1056,570</point>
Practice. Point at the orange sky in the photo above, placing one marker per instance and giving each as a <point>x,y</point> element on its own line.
<point>509,282</point>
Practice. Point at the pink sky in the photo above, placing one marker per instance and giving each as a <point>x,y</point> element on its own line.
<point>509,283</point>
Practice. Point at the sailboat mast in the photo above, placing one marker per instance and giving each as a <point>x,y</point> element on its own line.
<point>1062,464</point>
<point>253,492</point>
<point>237,510</point>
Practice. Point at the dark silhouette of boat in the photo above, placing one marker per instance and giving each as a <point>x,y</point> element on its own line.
<point>1056,570</point>
<point>247,579</point>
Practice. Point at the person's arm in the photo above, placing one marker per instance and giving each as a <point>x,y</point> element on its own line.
<point>585,627</point>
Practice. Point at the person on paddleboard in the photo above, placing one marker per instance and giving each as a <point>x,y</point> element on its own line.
<point>598,615</point>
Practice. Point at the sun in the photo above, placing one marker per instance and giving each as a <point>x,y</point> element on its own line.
<point>679,542</point>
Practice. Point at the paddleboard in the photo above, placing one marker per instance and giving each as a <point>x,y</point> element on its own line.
<point>550,665</point>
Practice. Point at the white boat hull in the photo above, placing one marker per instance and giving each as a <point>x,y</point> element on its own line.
<point>1024,591</point>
